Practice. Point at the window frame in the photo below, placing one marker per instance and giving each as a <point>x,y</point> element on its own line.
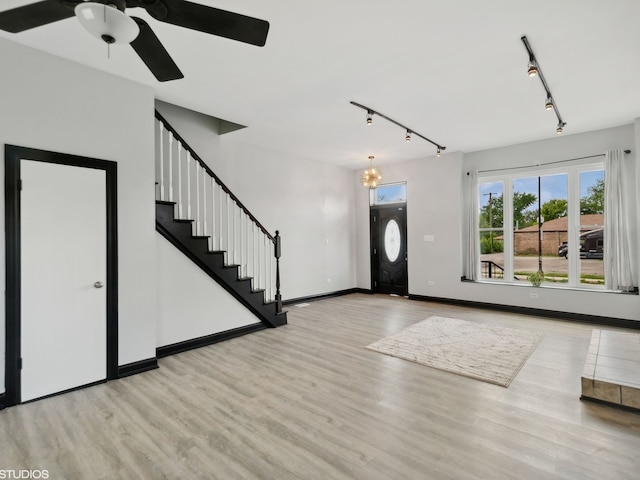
<point>506,177</point>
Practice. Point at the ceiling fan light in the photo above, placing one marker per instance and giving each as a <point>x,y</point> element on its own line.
<point>107,23</point>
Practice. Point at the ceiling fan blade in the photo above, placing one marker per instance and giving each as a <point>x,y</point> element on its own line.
<point>154,55</point>
<point>215,22</point>
<point>34,15</point>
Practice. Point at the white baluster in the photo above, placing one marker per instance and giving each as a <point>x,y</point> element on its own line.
<point>170,167</point>
<point>213,213</point>
<point>229,258</point>
<point>197,165</point>
<point>258,258</point>
<point>221,216</point>
<point>266,267</point>
<point>189,217</point>
<point>243,241</point>
<point>204,202</point>
<point>250,255</point>
<point>179,180</point>
<point>161,162</point>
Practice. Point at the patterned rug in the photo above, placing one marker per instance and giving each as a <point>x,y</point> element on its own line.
<point>485,352</point>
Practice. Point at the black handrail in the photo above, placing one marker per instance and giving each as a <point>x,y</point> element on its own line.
<point>196,157</point>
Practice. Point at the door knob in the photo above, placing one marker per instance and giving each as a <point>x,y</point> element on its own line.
<point>98,284</point>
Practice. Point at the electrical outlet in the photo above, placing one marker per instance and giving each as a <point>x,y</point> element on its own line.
<point>533,295</point>
<point>431,283</point>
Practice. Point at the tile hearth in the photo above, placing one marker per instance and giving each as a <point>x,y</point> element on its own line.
<point>612,368</point>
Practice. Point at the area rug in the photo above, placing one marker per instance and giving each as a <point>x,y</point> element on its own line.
<point>489,353</point>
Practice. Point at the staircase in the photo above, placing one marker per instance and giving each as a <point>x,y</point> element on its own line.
<point>200,216</point>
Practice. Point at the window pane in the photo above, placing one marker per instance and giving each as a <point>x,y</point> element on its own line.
<point>555,226</point>
<point>392,240</point>
<point>536,241</point>
<point>591,241</point>
<point>393,193</point>
<point>491,219</point>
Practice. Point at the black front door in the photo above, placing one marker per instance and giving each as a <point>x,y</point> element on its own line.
<point>389,249</point>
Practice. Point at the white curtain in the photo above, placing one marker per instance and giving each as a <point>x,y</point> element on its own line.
<point>472,258</point>
<point>617,255</point>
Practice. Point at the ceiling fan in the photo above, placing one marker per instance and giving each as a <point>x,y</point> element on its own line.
<point>106,20</point>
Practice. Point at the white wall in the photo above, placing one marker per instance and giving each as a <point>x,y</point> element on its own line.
<point>433,200</point>
<point>435,207</point>
<point>310,203</point>
<point>190,303</point>
<point>53,104</point>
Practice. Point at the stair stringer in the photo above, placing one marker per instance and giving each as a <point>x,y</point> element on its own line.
<point>196,248</point>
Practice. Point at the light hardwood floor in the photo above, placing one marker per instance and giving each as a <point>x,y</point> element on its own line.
<point>308,401</point>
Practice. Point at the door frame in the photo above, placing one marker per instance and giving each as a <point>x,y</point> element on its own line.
<point>375,274</point>
<point>13,155</point>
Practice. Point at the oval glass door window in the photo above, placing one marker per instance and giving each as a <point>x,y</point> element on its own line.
<point>392,240</point>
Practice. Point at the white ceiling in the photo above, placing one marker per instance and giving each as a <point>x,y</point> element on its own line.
<point>452,70</point>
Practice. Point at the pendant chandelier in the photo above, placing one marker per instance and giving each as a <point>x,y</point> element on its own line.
<point>371,177</point>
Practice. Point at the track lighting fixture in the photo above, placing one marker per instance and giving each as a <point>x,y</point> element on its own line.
<point>548,104</point>
<point>371,113</point>
<point>438,152</point>
<point>533,70</point>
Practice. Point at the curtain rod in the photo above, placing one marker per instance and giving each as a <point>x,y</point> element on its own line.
<point>548,163</point>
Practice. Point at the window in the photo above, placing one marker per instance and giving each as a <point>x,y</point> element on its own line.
<point>391,193</point>
<point>549,220</point>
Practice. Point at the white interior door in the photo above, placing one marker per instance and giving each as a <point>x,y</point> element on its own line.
<point>63,255</point>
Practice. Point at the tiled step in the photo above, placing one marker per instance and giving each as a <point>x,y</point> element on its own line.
<point>612,368</point>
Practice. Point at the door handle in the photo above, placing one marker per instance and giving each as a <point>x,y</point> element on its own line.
<point>98,284</point>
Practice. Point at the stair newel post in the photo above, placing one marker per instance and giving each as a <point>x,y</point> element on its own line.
<point>277,252</point>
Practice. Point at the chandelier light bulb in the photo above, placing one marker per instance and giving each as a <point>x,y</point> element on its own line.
<point>371,177</point>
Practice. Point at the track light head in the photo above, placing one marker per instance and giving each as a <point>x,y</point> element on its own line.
<point>559,129</point>
<point>369,117</point>
<point>532,69</point>
<point>438,152</point>
<point>407,138</point>
<point>548,104</point>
